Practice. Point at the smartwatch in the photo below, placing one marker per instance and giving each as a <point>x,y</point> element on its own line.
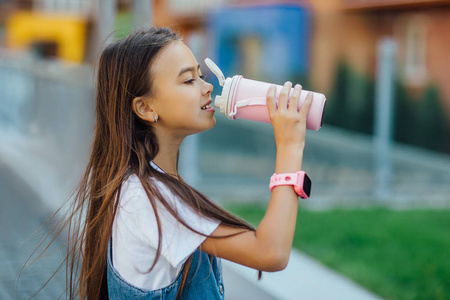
<point>300,180</point>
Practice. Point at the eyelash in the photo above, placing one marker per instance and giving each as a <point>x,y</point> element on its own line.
<point>190,81</point>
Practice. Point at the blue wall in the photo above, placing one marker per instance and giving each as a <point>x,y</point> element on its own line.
<point>283,31</point>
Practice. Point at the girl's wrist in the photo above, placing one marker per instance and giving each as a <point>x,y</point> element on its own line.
<point>289,160</point>
<point>293,147</point>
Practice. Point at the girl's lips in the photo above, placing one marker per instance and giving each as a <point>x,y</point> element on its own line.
<point>211,109</point>
<point>207,106</point>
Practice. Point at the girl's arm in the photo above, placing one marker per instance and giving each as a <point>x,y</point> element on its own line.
<point>268,248</point>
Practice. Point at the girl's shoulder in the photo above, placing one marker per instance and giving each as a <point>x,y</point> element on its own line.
<point>132,188</point>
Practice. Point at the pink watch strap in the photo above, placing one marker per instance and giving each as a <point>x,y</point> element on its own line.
<point>283,179</point>
<point>295,179</point>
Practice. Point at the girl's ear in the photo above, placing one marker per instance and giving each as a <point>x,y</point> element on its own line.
<point>143,109</point>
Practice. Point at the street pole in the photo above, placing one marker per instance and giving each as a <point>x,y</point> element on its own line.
<point>384,107</point>
<point>106,15</point>
<point>142,13</point>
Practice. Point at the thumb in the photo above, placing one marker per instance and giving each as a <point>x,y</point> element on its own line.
<point>271,100</point>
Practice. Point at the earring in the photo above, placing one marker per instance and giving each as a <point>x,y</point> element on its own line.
<point>156,119</point>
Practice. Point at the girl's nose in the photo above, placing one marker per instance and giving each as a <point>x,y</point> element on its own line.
<point>207,90</point>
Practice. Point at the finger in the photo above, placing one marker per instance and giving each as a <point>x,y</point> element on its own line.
<point>270,98</point>
<point>306,105</point>
<point>284,95</point>
<point>293,101</point>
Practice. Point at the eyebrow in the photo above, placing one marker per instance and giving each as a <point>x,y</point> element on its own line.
<point>188,69</point>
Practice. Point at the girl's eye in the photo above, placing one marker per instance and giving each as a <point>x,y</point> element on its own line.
<point>190,81</point>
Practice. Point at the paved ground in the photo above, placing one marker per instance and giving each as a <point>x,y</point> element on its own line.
<point>22,213</point>
<point>304,278</point>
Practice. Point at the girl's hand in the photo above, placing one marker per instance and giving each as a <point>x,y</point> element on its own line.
<point>289,124</point>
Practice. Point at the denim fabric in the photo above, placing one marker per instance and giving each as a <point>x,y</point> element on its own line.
<point>204,282</point>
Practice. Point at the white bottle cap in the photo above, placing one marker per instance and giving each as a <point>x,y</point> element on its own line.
<point>222,101</point>
<point>216,70</point>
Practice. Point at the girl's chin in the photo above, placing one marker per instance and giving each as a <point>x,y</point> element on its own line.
<point>211,125</point>
<point>213,122</point>
<point>207,127</point>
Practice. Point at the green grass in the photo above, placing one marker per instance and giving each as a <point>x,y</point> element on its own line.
<point>395,254</point>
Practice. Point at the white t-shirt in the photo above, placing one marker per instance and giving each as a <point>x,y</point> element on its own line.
<point>135,236</point>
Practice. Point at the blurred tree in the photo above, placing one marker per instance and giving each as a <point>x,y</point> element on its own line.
<point>351,102</point>
<point>418,119</point>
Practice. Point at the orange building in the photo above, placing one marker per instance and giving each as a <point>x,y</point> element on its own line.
<point>347,33</point>
<point>352,28</point>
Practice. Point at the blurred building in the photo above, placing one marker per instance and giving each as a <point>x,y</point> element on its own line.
<point>265,40</point>
<point>63,29</point>
<point>327,45</point>
<point>48,28</point>
<point>344,56</point>
<point>352,28</point>
<point>190,18</point>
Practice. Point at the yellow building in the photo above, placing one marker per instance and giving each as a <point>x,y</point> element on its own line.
<point>61,33</point>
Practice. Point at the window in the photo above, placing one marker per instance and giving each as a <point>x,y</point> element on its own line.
<point>414,39</point>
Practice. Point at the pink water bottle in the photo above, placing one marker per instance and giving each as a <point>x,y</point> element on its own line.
<point>243,98</point>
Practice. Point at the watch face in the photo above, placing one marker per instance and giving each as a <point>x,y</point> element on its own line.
<point>307,185</point>
<point>323,114</point>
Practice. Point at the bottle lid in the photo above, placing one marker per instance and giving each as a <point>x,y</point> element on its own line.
<point>221,101</point>
<point>216,70</point>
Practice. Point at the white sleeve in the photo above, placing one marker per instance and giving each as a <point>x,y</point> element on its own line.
<point>178,241</point>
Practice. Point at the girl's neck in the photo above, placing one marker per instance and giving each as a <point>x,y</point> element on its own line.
<point>166,158</point>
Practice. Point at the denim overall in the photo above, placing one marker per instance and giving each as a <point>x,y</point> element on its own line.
<point>204,281</point>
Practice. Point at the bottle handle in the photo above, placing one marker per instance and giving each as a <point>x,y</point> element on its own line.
<point>246,102</point>
<point>251,101</point>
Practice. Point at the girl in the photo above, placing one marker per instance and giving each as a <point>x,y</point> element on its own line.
<point>141,231</point>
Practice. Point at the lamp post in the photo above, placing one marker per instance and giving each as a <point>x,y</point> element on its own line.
<point>384,111</point>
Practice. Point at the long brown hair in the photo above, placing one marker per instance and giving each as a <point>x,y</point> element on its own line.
<point>123,145</point>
